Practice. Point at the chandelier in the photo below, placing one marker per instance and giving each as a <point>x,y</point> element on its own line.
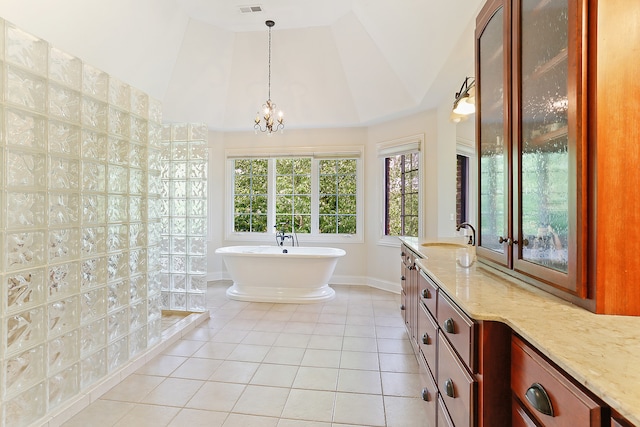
<point>271,123</point>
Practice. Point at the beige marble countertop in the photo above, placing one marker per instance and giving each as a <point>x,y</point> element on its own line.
<point>601,352</point>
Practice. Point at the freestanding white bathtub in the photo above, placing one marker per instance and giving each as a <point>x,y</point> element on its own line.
<point>266,274</point>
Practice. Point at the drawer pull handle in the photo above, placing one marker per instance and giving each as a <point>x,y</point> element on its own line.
<point>426,294</point>
<point>425,339</point>
<point>449,326</point>
<point>539,399</point>
<point>448,388</point>
<point>425,394</point>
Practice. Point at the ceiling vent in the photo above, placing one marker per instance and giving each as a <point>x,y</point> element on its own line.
<point>250,9</point>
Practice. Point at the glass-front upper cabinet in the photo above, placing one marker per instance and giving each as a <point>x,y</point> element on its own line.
<point>492,133</point>
<point>541,160</point>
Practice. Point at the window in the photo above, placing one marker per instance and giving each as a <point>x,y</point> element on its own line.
<point>315,194</point>
<point>338,196</point>
<point>293,195</point>
<point>250,196</point>
<point>402,192</point>
<point>462,189</point>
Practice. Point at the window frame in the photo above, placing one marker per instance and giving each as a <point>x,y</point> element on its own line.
<point>316,154</point>
<point>462,188</point>
<point>466,148</point>
<point>391,148</point>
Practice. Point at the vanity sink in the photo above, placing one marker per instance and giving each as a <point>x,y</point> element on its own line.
<point>449,245</point>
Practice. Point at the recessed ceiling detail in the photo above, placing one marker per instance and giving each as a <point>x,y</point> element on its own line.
<point>250,9</point>
<point>335,63</point>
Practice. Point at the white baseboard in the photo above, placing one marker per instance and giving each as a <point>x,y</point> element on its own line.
<point>213,277</point>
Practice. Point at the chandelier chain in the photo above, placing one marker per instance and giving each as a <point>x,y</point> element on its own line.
<point>269,97</point>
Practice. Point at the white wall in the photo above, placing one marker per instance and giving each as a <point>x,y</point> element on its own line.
<point>371,262</point>
<point>352,267</point>
<point>382,259</point>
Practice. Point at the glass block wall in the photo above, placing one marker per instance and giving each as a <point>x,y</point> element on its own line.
<point>80,228</point>
<point>184,217</point>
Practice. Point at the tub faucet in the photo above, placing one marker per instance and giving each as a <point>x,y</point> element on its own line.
<point>472,238</point>
<point>281,237</point>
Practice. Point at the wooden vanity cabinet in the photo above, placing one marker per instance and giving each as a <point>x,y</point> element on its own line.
<point>444,419</point>
<point>547,395</point>
<point>520,417</point>
<point>409,283</point>
<point>557,187</point>
<point>428,339</point>
<point>618,421</point>
<point>464,362</point>
<point>428,393</point>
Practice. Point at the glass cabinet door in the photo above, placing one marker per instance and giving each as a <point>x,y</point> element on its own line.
<point>547,134</point>
<point>492,94</point>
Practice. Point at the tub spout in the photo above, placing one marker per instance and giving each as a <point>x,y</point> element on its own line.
<point>281,237</point>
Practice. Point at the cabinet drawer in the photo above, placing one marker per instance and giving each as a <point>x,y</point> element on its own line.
<point>458,328</point>
<point>429,394</point>
<point>519,416</point>
<point>618,421</point>
<point>403,276</point>
<point>457,386</point>
<point>408,257</point>
<point>532,377</point>
<point>427,337</point>
<point>444,420</point>
<point>428,292</point>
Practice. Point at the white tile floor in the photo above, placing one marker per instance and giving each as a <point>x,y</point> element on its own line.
<point>346,362</point>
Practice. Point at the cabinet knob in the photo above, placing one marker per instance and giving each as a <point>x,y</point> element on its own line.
<point>402,278</point>
<point>509,241</point>
<point>426,294</point>
<point>402,307</point>
<point>448,388</point>
<point>449,326</point>
<point>426,395</point>
<point>539,399</point>
<point>425,339</point>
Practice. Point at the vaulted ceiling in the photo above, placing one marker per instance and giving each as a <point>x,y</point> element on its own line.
<point>335,63</point>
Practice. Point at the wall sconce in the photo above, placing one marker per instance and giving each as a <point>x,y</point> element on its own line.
<point>465,101</point>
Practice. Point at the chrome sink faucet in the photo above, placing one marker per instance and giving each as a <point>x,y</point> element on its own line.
<point>472,238</point>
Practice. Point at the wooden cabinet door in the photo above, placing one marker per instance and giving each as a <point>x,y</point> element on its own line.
<point>493,99</point>
<point>549,141</point>
<point>531,78</point>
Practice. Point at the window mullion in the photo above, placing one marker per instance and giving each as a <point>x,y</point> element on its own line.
<point>271,190</point>
<point>315,197</point>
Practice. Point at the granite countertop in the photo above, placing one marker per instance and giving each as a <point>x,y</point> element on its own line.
<point>602,352</point>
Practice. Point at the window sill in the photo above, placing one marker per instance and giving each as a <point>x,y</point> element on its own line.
<point>390,241</point>
<point>303,239</point>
